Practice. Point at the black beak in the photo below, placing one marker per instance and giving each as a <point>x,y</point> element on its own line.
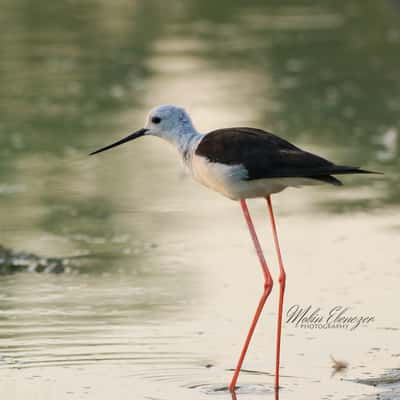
<point>132,136</point>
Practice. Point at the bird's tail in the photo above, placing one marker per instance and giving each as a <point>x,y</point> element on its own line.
<point>343,169</point>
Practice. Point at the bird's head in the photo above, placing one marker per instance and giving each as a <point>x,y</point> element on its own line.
<point>168,122</point>
<point>165,121</point>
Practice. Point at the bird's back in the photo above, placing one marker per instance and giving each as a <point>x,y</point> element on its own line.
<point>248,154</point>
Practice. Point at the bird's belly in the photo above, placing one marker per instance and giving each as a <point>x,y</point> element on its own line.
<point>232,182</point>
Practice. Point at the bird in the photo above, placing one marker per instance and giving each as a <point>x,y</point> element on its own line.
<point>242,163</point>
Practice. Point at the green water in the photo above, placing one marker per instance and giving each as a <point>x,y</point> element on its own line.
<point>77,75</point>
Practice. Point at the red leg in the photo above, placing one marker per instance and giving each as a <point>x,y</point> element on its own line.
<point>264,296</point>
<point>282,284</point>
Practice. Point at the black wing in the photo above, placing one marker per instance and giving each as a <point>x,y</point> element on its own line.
<point>266,155</point>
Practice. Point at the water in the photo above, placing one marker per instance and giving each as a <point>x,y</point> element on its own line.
<point>166,278</point>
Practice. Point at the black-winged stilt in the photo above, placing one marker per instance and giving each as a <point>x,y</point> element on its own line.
<point>242,163</point>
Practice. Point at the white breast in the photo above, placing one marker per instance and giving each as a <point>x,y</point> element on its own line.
<point>220,177</point>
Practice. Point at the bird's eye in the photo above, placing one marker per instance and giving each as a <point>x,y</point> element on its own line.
<point>156,120</point>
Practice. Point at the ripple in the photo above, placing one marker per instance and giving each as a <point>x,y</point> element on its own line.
<point>240,389</point>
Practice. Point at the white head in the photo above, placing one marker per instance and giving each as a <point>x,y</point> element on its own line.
<point>171,123</point>
<point>166,121</point>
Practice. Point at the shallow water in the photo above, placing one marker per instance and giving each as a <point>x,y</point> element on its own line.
<point>159,302</point>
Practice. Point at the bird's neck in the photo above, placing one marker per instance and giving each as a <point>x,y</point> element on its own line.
<point>184,140</point>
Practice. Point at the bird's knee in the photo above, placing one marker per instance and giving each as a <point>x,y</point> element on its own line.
<point>282,279</point>
<point>268,284</point>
